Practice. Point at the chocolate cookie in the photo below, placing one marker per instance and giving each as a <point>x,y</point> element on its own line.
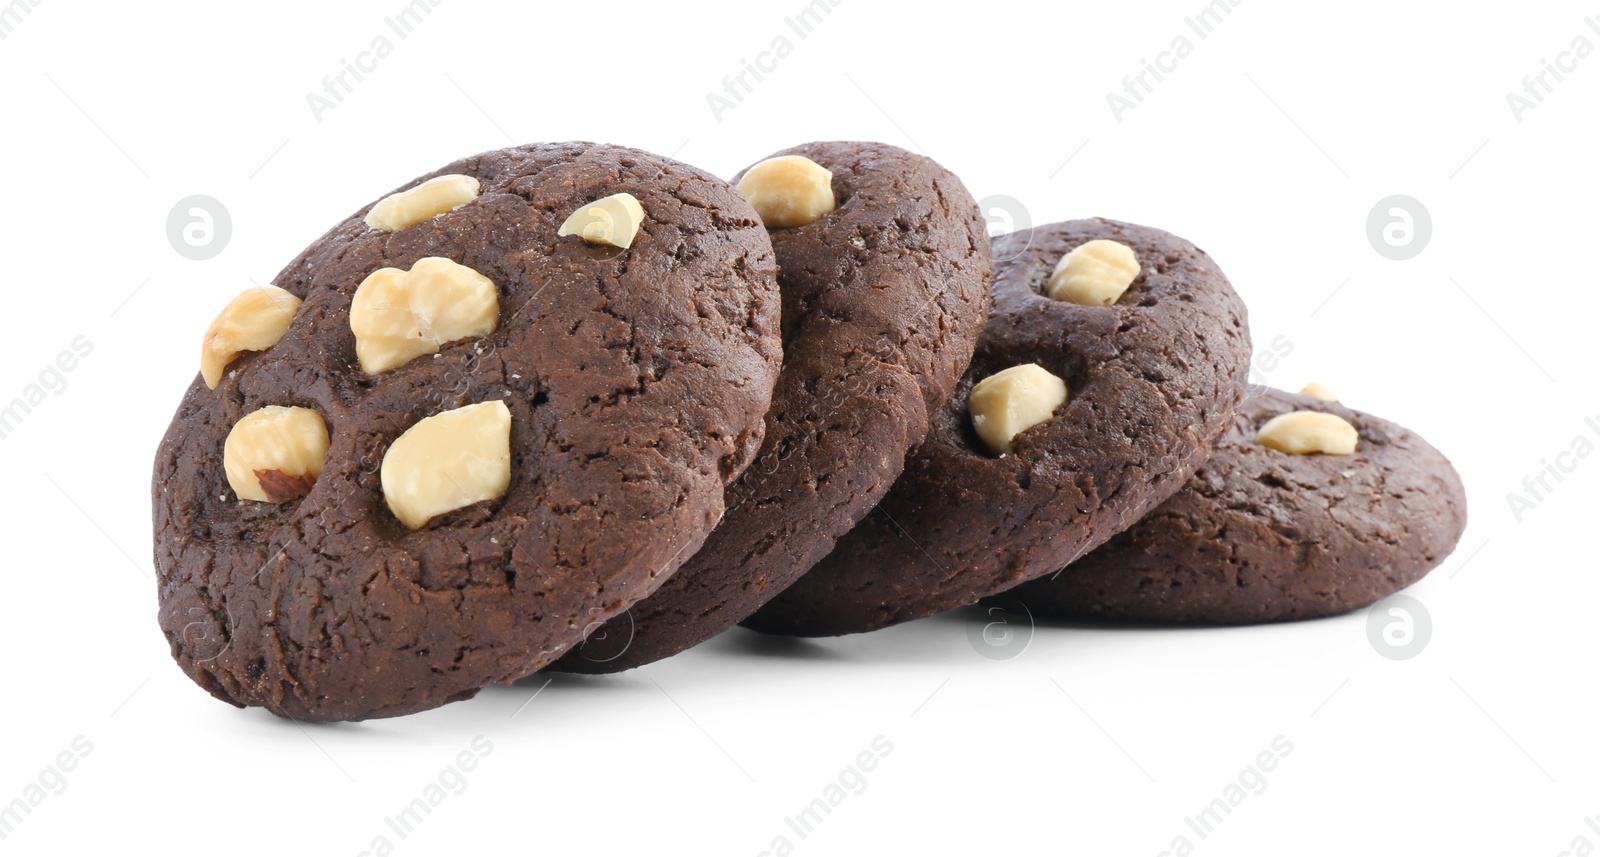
<point>1259,535</point>
<point>533,377</point>
<point>885,277</point>
<point>1154,374</point>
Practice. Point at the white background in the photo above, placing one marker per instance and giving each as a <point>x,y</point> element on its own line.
<point>1268,146</point>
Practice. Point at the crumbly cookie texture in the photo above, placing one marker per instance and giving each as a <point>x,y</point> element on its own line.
<point>1259,535</point>
<point>1154,379</point>
<point>884,296</point>
<point>485,437</point>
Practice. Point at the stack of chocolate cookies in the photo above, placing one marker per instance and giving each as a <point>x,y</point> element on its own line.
<point>580,407</point>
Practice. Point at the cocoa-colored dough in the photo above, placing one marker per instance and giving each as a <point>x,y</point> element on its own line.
<point>1258,535</point>
<point>637,382</point>
<point>883,300</point>
<point>1153,381</point>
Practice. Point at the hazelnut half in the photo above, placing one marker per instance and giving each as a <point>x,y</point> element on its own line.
<point>1012,401</point>
<point>448,461</point>
<point>275,454</point>
<point>253,321</point>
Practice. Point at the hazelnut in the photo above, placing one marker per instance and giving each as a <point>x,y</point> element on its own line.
<point>275,454</point>
<point>614,220</point>
<point>789,190</point>
<point>1094,274</point>
<point>398,316</point>
<point>448,461</point>
<point>1012,401</point>
<point>1306,432</point>
<point>253,321</point>
<point>436,196</point>
<point>1318,391</point>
